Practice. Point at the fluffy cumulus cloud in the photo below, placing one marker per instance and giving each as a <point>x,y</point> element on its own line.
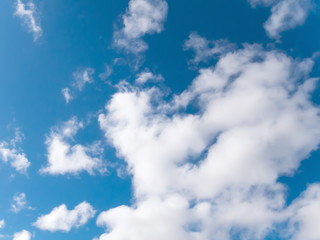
<point>285,14</point>
<point>205,49</point>
<point>65,158</point>
<point>11,153</point>
<point>23,235</point>
<point>213,173</point>
<point>27,13</point>
<point>141,17</point>
<point>62,219</point>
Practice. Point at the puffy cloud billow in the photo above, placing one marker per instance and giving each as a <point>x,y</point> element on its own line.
<point>62,219</point>
<point>212,173</point>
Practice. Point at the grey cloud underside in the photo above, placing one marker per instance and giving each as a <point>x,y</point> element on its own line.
<point>214,173</point>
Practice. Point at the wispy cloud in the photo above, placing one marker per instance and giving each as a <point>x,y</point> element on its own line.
<point>81,78</point>
<point>19,202</point>
<point>66,94</point>
<point>147,75</point>
<point>27,13</point>
<point>141,17</point>
<point>285,14</point>
<point>205,49</point>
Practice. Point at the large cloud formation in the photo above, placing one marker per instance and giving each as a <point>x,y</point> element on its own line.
<point>206,164</point>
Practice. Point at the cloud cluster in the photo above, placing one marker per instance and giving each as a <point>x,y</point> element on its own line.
<point>62,219</point>
<point>27,13</point>
<point>213,173</point>
<point>64,158</point>
<point>10,152</point>
<point>142,17</point>
<point>285,14</point>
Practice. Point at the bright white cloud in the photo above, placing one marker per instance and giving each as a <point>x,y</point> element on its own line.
<point>2,223</point>
<point>10,152</point>
<point>205,49</point>
<point>146,76</point>
<point>213,173</point>
<point>27,13</point>
<point>285,14</point>
<point>64,158</point>
<point>62,219</point>
<point>23,235</point>
<point>141,17</point>
<point>19,202</point>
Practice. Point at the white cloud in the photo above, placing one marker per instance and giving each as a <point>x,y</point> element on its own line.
<point>213,173</point>
<point>62,219</point>
<point>10,152</point>
<point>141,17</point>
<point>146,76</point>
<point>303,215</point>
<point>205,49</point>
<point>27,12</point>
<point>81,77</point>
<point>66,94</point>
<point>2,223</point>
<point>106,74</point>
<point>64,158</point>
<point>285,14</point>
<point>19,202</point>
<point>23,235</point>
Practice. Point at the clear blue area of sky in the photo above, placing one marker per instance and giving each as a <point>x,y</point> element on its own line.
<point>79,34</point>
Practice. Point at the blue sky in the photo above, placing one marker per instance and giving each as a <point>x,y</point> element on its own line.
<point>159,119</point>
